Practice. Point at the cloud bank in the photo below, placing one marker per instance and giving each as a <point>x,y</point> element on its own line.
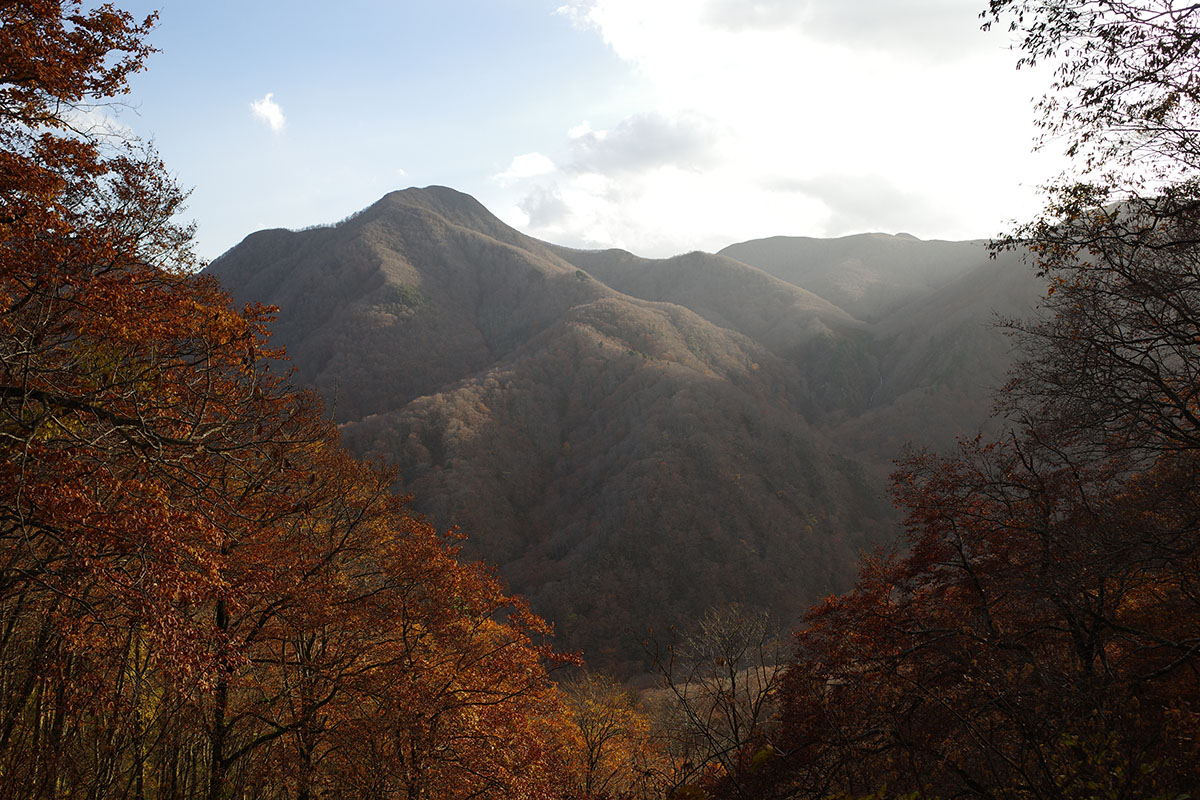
<point>811,117</point>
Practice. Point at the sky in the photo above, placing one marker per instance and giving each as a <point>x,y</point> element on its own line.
<point>657,126</point>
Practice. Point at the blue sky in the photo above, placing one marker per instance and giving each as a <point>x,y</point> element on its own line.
<point>659,126</point>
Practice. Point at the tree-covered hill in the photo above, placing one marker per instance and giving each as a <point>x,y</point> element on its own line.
<point>632,441</point>
<point>626,462</point>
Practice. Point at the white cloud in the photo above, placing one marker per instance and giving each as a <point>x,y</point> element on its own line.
<point>268,111</point>
<point>582,129</point>
<point>770,117</point>
<point>636,185</point>
<point>529,165</point>
<point>927,29</point>
<point>858,203</point>
<point>544,207</point>
<point>661,212</point>
<point>741,15</point>
<point>576,13</point>
<point>645,141</point>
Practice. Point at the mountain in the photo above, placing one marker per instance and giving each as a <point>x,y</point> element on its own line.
<point>727,293</point>
<point>869,274</point>
<point>899,343</point>
<point>633,441</point>
<point>415,292</point>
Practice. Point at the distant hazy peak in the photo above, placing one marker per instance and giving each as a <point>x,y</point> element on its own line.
<point>867,274</point>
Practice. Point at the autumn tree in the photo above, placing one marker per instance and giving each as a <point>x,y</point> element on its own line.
<point>1024,645</point>
<point>614,747</point>
<point>1112,357</point>
<point>201,594</point>
<point>103,384</point>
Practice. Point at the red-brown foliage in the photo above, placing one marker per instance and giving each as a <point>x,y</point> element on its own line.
<point>201,595</point>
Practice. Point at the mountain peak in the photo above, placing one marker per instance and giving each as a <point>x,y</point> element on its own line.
<point>450,206</point>
<point>438,199</point>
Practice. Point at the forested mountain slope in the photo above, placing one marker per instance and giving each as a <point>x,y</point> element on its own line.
<point>630,440</point>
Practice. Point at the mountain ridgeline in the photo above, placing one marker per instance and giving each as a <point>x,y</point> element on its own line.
<point>632,441</point>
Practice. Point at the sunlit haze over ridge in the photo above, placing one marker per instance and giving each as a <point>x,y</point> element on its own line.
<point>657,126</point>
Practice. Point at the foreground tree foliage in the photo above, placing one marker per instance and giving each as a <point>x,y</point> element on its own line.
<point>616,754</point>
<point>1039,637</point>
<point>1037,640</point>
<point>201,595</point>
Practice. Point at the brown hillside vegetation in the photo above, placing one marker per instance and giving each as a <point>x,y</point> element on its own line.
<point>633,441</point>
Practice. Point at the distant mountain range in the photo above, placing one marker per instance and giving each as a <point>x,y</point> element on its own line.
<point>633,441</point>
